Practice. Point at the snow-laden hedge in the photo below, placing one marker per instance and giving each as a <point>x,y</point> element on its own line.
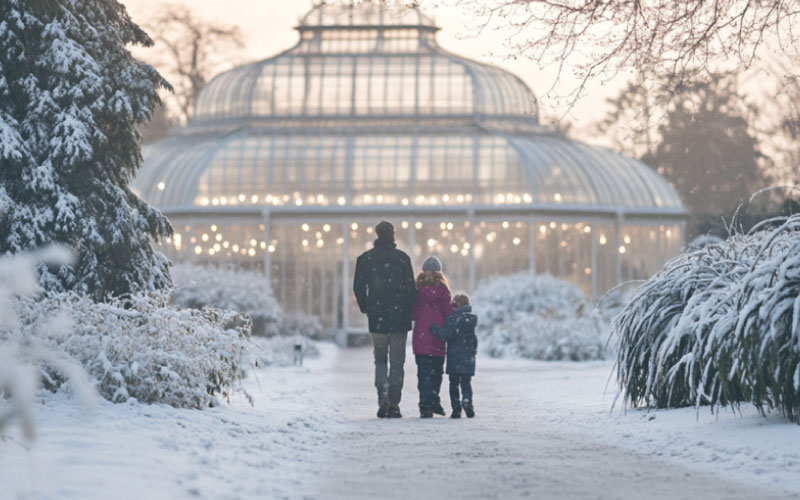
<point>18,359</point>
<point>719,325</point>
<point>140,347</point>
<point>247,292</point>
<point>538,317</point>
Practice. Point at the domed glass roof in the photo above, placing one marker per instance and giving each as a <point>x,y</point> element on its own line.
<point>369,59</point>
<point>366,109</point>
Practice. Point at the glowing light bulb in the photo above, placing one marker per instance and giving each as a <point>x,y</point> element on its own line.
<point>235,248</point>
<point>251,252</point>
<point>271,249</point>
<point>517,241</point>
<point>354,226</point>
<point>542,229</point>
<point>305,243</point>
<point>587,229</point>
<point>218,237</point>
<point>627,239</point>
<point>161,186</point>
<point>418,225</point>
<point>304,227</point>
<point>241,197</point>
<point>587,270</point>
<point>198,250</point>
<point>253,243</point>
<point>454,248</point>
<point>405,201</point>
<point>254,198</point>
<point>404,224</point>
<point>505,224</point>
<point>204,237</point>
<point>431,242</point>
<point>602,240</point>
<point>341,200</point>
<point>622,249</point>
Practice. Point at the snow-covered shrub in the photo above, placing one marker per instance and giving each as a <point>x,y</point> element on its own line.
<point>719,325</point>
<point>139,347</point>
<point>247,292</point>
<point>18,362</point>
<point>294,324</point>
<point>244,291</point>
<point>280,351</point>
<point>538,317</point>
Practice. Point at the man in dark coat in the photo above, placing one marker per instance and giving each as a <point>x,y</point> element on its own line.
<point>384,289</point>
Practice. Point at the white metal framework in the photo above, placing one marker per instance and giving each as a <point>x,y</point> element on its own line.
<point>290,161</point>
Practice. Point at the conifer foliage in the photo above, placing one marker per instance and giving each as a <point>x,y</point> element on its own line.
<point>71,96</point>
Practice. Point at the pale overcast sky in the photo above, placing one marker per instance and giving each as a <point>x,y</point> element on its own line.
<point>268,28</point>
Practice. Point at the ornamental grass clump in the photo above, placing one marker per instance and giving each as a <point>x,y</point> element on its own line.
<point>718,326</point>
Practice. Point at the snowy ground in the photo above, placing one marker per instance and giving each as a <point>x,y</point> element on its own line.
<point>542,430</point>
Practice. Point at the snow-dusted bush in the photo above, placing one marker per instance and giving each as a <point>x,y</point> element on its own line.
<point>244,291</point>
<point>228,288</point>
<point>719,325</point>
<point>18,361</point>
<point>140,347</point>
<point>294,324</point>
<point>280,351</point>
<point>538,317</point>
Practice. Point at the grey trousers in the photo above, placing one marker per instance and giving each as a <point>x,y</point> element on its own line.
<point>390,356</point>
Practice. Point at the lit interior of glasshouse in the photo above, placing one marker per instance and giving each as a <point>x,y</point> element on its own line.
<point>289,162</point>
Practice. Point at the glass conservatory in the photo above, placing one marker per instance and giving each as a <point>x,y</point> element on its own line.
<point>289,162</point>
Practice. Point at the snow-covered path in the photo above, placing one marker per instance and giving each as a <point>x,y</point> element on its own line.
<point>507,451</point>
<point>313,434</point>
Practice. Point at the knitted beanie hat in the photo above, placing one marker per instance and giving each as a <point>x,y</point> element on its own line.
<point>432,264</point>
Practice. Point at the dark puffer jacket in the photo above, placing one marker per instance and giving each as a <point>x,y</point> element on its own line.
<point>384,288</point>
<point>462,343</point>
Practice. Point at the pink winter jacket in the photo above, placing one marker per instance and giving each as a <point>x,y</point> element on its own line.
<point>431,306</point>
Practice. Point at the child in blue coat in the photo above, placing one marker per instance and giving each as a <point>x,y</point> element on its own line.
<point>462,346</point>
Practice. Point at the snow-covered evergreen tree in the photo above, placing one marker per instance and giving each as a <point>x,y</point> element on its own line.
<point>71,96</point>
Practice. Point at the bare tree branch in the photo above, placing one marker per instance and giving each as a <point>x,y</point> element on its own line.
<point>683,38</point>
<point>193,50</point>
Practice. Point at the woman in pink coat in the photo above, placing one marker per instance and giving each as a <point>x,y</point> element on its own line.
<point>431,306</point>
